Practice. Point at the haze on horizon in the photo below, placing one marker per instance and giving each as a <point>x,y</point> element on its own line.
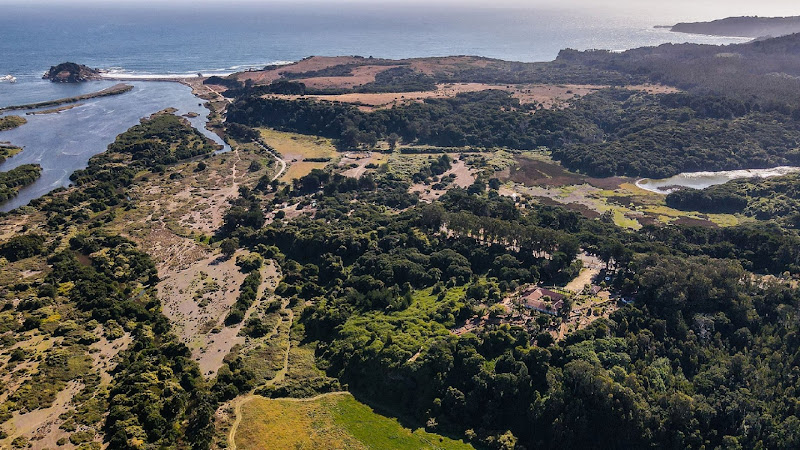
<point>707,9</point>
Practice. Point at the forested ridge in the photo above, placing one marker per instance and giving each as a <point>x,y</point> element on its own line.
<point>675,369</point>
<point>612,132</point>
<point>767,198</point>
<point>766,69</point>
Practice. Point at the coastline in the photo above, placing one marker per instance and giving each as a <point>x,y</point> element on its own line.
<point>55,110</point>
<point>113,90</point>
<point>745,39</point>
<point>128,110</point>
<point>195,82</point>
<point>216,103</point>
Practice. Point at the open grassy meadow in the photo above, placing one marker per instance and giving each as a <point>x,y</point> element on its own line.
<point>629,206</point>
<point>327,422</point>
<point>299,150</point>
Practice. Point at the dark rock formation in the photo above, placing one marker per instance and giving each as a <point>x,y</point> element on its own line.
<point>71,73</point>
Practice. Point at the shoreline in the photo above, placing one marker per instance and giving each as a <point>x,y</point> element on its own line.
<point>194,82</point>
<point>202,122</point>
<point>55,110</point>
<point>132,79</point>
<point>113,90</point>
<point>199,90</point>
<point>668,185</point>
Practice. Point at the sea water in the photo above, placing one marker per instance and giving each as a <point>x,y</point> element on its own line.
<point>191,37</point>
<point>186,38</point>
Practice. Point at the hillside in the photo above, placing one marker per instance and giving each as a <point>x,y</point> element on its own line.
<point>742,26</point>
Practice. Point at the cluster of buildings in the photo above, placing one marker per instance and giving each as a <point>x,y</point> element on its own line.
<point>542,300</point>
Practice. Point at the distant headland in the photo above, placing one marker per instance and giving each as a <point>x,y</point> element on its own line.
<point>69,72</point>
<point>754,27</point>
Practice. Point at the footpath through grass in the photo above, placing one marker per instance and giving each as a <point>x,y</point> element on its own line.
<point>328,422</point>
<point>302,153</point>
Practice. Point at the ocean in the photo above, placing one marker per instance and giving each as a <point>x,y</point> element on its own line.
<point>153,40</point>
<point>221,39</point>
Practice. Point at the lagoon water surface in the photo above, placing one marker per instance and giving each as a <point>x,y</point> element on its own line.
<point>62,143</point>
<point>702,180</point>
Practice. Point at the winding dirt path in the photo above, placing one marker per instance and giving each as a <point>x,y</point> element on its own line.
<point>273,153</point>
<point>281,161</point>
<point>237,403</point>
<point>237,412</point>
<point>281,375</point>
<point>208,86</point>
<point>234,184</point>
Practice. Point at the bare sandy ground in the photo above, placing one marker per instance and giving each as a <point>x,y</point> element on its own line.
<point>591,267</point>
<point>199,313</point>
<point>197,203</point>
<point>41,425</point>
<point>194,323</point>
<point>464,178</point>
<point>361,159</point>
<point>360,75</point>
<point>103,353</point>
<point>197,287</point>
<point>204,91</point>
<point>11,226</point>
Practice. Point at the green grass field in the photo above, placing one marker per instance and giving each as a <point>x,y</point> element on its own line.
<point>295,148</point>
<point>334,421</point>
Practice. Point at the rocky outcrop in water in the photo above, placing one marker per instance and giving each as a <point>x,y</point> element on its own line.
<point>69,72</point>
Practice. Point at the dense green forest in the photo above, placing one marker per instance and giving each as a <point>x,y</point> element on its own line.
<point>762,198</point>
<point>612,132</point>
<point>764,70</point>
<point>15,179</point>
<point>660,136</point>
<point>675,369</point>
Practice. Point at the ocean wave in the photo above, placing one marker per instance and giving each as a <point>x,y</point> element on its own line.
<point>260,66</point>
<point>151,76</point>
<point>121,72</point>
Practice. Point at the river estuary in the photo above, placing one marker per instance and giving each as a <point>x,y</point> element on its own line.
<point>63,142</point>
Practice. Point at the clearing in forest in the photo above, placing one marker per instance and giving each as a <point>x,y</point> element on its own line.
<point>329,421</point>
<point>538,176</point>
<point>302,153</point>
